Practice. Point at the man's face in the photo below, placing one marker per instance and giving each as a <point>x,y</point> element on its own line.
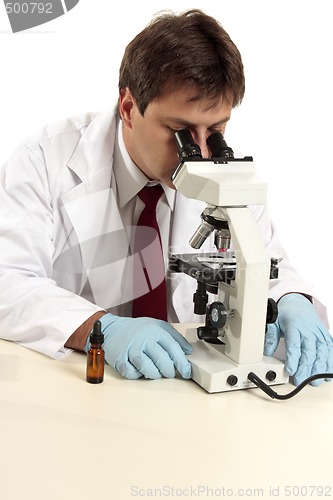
<point>149,139</point>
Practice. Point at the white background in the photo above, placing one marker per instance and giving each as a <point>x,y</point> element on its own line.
<point>71,65</point>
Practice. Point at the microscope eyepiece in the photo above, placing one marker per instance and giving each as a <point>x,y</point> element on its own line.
<point>218,147</point>
<point>187,148</point>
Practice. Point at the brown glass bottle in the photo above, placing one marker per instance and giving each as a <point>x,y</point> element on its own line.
<point>95,356</point>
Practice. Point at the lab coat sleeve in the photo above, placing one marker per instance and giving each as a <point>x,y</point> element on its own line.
<point>34,311</point>
<point>289,279</point>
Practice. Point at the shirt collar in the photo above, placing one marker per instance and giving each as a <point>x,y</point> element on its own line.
<point>129,178</point>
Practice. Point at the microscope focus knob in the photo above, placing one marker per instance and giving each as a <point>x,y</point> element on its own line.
<point>217,315</point>
<point>272,311</point>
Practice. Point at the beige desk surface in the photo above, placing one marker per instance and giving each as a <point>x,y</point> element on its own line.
<point>64,439</point>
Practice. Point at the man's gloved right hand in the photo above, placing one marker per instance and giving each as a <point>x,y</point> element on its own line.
<point>144,347</point>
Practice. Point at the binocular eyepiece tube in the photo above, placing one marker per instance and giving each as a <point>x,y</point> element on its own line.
<point>187,148</point>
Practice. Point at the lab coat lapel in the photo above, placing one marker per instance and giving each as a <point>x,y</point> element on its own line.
<point>92,161</point>
<point>94,151</point>
<point>92,209</point>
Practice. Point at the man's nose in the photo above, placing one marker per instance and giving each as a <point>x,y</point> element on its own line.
<point>201,141</point>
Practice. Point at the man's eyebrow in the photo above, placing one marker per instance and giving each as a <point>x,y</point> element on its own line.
<point>185,124</point>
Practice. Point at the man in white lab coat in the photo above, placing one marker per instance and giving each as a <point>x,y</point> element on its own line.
<point>69,200</point>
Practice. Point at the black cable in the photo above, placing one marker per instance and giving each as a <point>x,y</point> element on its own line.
<point>274,395</point>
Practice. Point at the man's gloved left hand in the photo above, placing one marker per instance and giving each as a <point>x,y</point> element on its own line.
<point>309,346</point>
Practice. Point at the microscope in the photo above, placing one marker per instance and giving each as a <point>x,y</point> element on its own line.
<point>230,344</point>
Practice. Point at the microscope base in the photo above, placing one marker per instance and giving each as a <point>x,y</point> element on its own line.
<point>215,372</point>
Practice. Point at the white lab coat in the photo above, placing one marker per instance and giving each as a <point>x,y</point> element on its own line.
<point>60,223</point>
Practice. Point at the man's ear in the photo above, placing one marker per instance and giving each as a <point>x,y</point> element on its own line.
<point>126,104</point>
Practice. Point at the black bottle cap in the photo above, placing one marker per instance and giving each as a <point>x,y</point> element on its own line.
<point>97,337</point>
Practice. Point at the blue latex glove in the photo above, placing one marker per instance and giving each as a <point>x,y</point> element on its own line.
<point>309,346</point>
<point>144,347</point>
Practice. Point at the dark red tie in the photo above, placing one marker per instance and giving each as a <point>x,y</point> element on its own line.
<point>149,271</point>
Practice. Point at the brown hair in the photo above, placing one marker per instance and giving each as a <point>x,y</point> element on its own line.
<point>190,50</point>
